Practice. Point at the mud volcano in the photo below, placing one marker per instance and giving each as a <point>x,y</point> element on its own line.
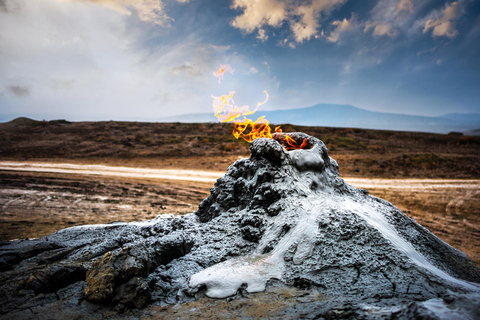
<point>278,219</point>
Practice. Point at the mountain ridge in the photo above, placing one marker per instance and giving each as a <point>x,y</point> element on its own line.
<point>335,115</point>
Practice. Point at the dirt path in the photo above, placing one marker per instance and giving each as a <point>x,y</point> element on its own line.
<point>124,172</point>
<point>37,199</point>
<point>212,176</point>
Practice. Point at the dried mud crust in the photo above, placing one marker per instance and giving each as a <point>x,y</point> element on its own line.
<point>34,205</point>
<point>307,229</point>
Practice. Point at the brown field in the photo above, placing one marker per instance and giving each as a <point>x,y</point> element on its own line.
<point>34,204</point>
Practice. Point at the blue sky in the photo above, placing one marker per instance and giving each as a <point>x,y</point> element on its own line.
<point>147,59</point>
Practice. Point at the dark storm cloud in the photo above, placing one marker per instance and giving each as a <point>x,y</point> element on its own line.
<point>3,6</point>
<point>19,91</point>
<point>8,6</point>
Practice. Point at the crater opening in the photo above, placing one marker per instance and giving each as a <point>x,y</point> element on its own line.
<point>292,141</point>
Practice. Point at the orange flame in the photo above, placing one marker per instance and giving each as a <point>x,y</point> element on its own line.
<point>226,111</point>
<point>294,144</point>
<point>221,71</point>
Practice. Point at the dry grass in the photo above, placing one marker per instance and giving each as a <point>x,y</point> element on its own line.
<point>211,146</point>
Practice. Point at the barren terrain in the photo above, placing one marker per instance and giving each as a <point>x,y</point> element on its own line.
<point>59,174</point>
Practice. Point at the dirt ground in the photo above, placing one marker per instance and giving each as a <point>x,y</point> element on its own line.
<point>211,146</point>
<point>35,204</point>
<point>384,162</point>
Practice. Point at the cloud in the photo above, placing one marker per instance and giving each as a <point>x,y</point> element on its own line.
<point>151,11</point>
<point>404,5</point>
<point>84,61</point>
<point>262,35</point>
<point>444,24</point>
<point>191,70</point>
<point>7,6</point>
<point>381,29</point>
<point>19,91</point>
<point>285,43</point>
<point>307,25</point>
<point>340,26</point>
<point>252,70</point>
<point>61,84</point>
<point>258,13</point>
<point>390,17</point>
<point>303,17</point>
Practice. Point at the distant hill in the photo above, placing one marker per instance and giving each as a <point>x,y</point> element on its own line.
<point>24,121</point>
<point>332,115</point>
<point>463,117</point>
<point>475,132</point>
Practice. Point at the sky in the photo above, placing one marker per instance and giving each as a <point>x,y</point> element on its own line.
<point>142,60</point>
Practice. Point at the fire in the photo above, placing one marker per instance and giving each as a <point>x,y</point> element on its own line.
<point>294,144</point>
<point>221,71</point>
<point>226,111</point>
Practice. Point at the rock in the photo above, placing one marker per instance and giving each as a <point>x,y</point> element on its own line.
<point>100,279</point>
<point>281,220</point>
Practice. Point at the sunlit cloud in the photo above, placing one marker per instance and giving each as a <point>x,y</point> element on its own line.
<point>444,24</point>
<point>340,26</point>
<point>285,43</point>
<point>258,13</point>
<point>390,18</point>
<point>381,29</point>
<point>404,5</point>
<point>262,35</point>
<point>307,25</point>
<point>303,17</point>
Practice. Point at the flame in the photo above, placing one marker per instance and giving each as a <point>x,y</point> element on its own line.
<point>226,111</point>
<point>294,144</point>
<point>221,71</point>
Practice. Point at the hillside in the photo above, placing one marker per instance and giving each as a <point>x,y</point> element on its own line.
<point>211,146</point>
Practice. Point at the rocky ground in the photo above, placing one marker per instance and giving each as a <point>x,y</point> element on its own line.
<point>280,221</point>
<point>35,204</point>
<point>47,278</point>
